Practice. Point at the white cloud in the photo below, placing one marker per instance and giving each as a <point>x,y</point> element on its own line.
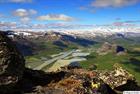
<point>23,12</point>
<point>56,17</point>
<point>25,19</point>
<point>32,11</point>
<point>83,8</point>
<point>24,15</point>
<point>1,15</point>
<point>20,12</point>
<point>126,23</point>
<point>7,25</point>
<point>16,1</point>
<point>20,1</point>
<point>113,3</point>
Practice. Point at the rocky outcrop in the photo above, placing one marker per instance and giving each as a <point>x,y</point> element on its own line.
<point>76,81</point>
<point>116,77</point>
<point>73,81</point>
<point>108,47</point>
<point>105,47</point>
<point>11,64</point>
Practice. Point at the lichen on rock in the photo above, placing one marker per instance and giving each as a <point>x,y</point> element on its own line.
<point>116,77</point>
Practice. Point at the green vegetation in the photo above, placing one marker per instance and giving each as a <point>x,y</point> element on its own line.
<point>46,50</point>
<point>32,61</point>
<point>102,61</point>
<point>130,61</point>
<point>48,66</point>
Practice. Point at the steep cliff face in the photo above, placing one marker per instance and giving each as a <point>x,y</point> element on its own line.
<point>11,64</point>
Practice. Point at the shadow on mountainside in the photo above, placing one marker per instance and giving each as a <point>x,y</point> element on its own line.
<point>60,44</point>
<point>134,62</point>
<point>129,86</point>
<point>34,78</point>
<point>134,53</point>
<point>80,41</point>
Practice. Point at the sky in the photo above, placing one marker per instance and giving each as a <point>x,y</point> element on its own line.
<point>66,14</point>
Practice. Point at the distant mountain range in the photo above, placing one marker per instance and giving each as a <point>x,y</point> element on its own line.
<point>92,33</point>
<point>103,32</point>
<point>30,42</point>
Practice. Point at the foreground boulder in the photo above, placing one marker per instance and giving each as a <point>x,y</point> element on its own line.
<point>11,64</point>
<point>76,81</point>
<point>116,77</point>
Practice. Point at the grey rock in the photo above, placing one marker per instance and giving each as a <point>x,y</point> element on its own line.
<point>114,48</point>
<point>11,64</point>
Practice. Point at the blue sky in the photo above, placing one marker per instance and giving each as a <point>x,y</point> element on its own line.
<point>15,13</point>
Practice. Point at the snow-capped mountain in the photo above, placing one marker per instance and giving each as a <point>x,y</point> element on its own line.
<point>103,32</point>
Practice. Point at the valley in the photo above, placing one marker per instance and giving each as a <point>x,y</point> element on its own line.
<point>60,60</point>
<point>53,52</point>
<point>89,58</point>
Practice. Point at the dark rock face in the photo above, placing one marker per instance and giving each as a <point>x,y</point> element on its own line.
<point>131,85</point>
<point>11,64</point>
<point>120,49</point>
<point>24,45</point>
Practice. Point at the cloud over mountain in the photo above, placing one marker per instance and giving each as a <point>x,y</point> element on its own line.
<point>5,25</point>
<point>55,17</point>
